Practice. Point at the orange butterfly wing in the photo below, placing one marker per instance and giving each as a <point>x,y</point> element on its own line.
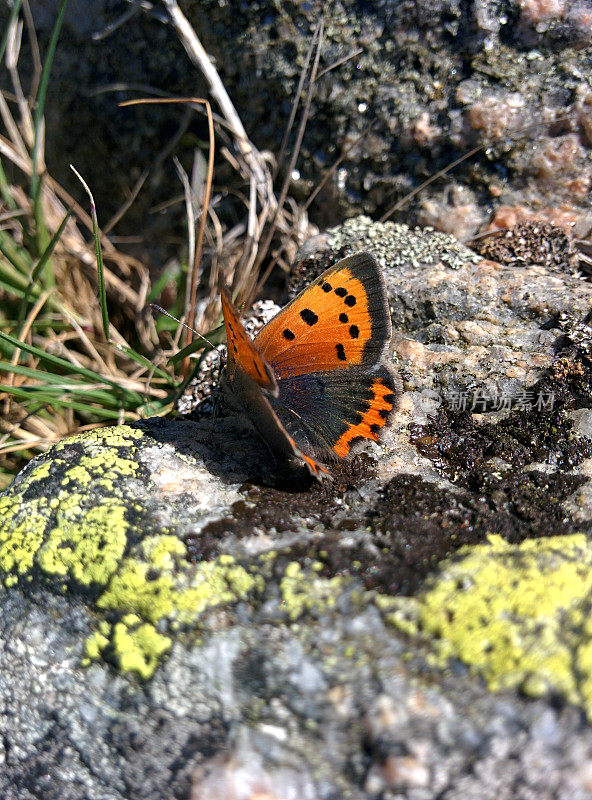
<point>341,320</point>
<point>247,374</point>
<point>242,353</point>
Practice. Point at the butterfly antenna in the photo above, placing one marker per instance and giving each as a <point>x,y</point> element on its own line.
<point>161,310</point>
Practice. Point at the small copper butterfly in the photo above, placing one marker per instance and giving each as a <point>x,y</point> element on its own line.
<point>313,381</point>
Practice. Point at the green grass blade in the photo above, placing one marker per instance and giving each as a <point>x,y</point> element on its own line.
<point>72,369</point>
<point>50,247</point>
<point>38,268</point>
<point>18,257</point>
<point>84,409</point>
<point>10,278</point>
<point>168,276</point>
<point>5,189</point>
<point>41,94</point>
<point>49,382</point>
<point>187,351</point>
<point>9,288</point>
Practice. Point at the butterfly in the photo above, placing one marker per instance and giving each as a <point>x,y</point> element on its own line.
<point>313,381</point>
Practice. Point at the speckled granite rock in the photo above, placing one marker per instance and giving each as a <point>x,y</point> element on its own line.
<point>437,77</point>
<point>179,621</point>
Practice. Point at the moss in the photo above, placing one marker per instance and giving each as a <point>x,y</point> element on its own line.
<point>304,592</point>
<point>516,614</point>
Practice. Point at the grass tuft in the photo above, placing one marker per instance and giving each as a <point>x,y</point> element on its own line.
<point>78,348</point>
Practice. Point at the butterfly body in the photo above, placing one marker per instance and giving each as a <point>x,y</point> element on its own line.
<point>313,381</point>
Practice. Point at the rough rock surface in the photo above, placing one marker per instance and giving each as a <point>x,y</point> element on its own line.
<point>437,78</point>
<point>178,620</point>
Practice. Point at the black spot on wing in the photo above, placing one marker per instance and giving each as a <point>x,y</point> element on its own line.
<point>340,291</point>
<point>326,287</point>
<point>350,300</point>
<point>343,318</point>
<point>340,352</point>
<point>288,334</point>
<point>309,316</point>
<point>354,331</point>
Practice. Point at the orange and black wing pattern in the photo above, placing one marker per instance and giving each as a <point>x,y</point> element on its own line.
<point>341,320</point>
<point>242,353</point>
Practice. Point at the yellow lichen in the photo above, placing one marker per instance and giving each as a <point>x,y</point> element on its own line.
<point>138,646</point>
<point>302,592</point>
<point>96,643</point>
<point>85,545</point>
<point>158,583</point>
<point>110,439</point>
<point>517,614</point>
<point>99,469</point>
<point>21,534</point>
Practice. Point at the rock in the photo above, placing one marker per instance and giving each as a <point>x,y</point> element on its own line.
<point>179,619</point>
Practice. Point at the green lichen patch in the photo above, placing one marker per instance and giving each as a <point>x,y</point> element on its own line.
<point>138,646</point>
<point>86,544</point>
<point>66,514</point>
<point>96,643</point>
<point>21,535</point>
<point>131,644</point>
<point>74,522</point>
<point>304,591</point>
<point>393,243</point>
<point>156,583</point>
<point>518,615</point>
<point>154,587</point>
<point>113,438</point>
<point>95,469</point>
